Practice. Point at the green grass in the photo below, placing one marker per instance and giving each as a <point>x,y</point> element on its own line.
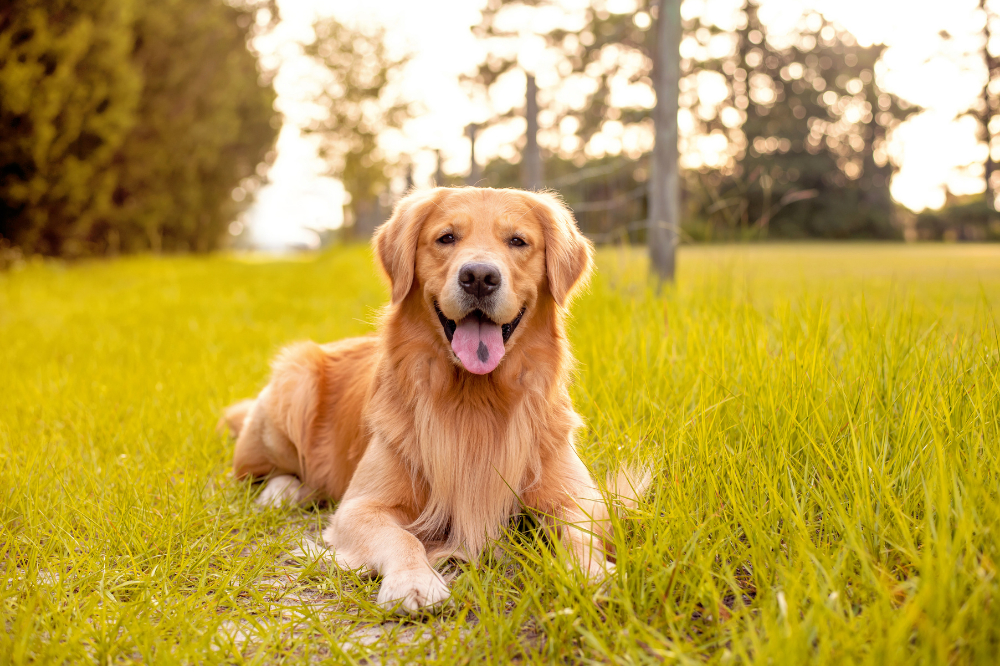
<point>824,423</point>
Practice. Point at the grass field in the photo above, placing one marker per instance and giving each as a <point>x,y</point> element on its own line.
<point>824,422</point>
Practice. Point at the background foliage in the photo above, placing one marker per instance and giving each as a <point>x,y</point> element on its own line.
<point>68,98</point>
<point>359,104</point>
<point>802,126</point>
<point>126,124</point>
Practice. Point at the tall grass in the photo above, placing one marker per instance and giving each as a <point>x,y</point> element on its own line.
<point>824,423</point>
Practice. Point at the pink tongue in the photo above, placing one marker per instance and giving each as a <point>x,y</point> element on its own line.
<point>478,344</point>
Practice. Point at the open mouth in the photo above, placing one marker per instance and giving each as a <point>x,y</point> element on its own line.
<point>477,340</point>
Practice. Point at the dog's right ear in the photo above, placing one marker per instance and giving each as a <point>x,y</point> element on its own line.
<point>395,241</point>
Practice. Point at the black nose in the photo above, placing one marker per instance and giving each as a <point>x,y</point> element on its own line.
<point>479,280</point>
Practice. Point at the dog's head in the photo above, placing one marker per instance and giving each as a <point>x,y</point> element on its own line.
<point>480,261</point>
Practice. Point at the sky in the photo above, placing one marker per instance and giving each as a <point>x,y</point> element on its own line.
<point>935,149</point>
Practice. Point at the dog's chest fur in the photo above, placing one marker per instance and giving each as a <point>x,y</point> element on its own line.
<point>472,445</point>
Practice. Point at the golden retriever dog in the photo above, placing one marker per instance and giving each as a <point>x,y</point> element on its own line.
<point>433,432</point>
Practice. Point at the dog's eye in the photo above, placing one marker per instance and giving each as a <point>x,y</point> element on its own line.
<point>446,239</point>
<point>517,241</point>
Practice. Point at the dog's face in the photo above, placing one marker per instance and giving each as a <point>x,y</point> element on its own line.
<point>480,265</point>
<point>479,260</point>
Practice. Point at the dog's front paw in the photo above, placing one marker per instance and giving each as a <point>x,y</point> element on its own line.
<point>413,591</point>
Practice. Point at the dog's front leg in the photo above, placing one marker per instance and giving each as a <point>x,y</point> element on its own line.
<point>366,532</point>
<point>577,513</point>
<point>583,527</point>
<point>367,535</point>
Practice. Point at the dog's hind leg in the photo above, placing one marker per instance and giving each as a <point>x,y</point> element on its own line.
<point>285,490</point>
<point>263,448</point>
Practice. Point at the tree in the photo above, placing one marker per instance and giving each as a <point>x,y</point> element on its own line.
<point>812,123</point>
<point>203,126</point>
<point>128,126</point>
<point>360,105</point>
<point>664,186</point>
<point>803,125</point>
<point>990,104</point>
<point>68,95</point>
<point>594,48</point>
<point>531,163</point>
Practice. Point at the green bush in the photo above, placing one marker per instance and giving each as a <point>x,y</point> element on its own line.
<point>68,94</point>
<point>125,125</point>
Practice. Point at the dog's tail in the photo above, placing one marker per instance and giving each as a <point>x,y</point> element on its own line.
<point>234,416</point>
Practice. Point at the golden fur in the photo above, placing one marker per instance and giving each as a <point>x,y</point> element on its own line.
<point>428,460</point>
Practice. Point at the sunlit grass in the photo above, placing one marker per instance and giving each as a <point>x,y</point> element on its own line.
<point>824,423</point>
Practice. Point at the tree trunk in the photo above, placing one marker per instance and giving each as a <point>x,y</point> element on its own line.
<point>874,178</point>
<point>366,217</point>
<point>664,183</point>
<point>531,162</point>
<point>439,173</point>
<point>471,130</point>
<point>992,65</point>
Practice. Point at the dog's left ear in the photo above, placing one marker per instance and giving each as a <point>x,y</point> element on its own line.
<point>395,241</point>
<point>569,256</point>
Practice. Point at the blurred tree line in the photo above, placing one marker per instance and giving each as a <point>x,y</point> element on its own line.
<point>129,125</point>
<point>360,102</point>
<point>794,145</point>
